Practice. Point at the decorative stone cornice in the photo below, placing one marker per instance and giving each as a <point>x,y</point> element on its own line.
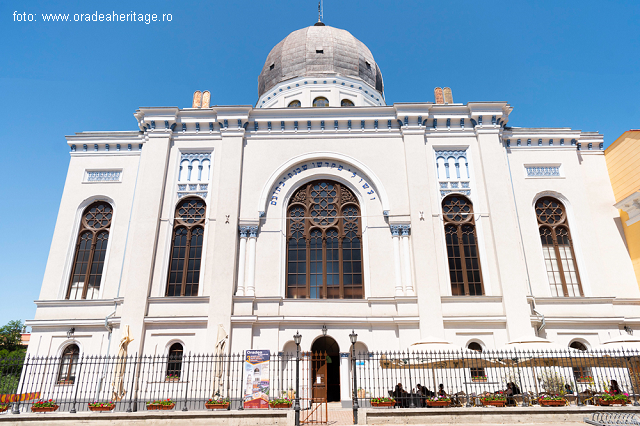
<point>631,206</point>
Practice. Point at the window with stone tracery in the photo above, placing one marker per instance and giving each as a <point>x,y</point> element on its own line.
<point>324,243</point>
<point>90,252</point>
<point>462,246</point>
<point>186,248</point>
<point>557,247</point>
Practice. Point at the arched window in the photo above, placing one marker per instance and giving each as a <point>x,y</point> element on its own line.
<point>186,248</point>
<point>68,365</point>
<point>294,104</point>
<point>557,248</point>
<point>321,102</point>
<point>346,103</point>
<point>324,248</point>
<point>90,252</point>
<point>174,362</point>
<point>476,373</point>
<point>462,246</point>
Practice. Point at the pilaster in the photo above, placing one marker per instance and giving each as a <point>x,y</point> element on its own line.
<point>427,287</point>
<point>143,234</point>
<point>221,277</point>
<point>503,226</point>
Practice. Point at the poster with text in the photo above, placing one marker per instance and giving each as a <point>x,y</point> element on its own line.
<point>256,373</point>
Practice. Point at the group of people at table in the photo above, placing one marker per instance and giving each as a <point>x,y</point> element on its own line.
<point>420,394</point>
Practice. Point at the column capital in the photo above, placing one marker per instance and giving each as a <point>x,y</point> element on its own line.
<point>405,229</point>
<point>253,231</point>
<point>395,230</point>
<point>243,231</point>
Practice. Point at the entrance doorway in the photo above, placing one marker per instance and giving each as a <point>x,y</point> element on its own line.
<point>325,370</point>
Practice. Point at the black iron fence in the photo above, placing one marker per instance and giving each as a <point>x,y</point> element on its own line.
<point>410,378</point>
<point>131,382</point>
<point>522,377</point>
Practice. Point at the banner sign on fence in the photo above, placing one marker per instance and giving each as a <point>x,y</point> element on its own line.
<point>256,372</point>
<point>19,397</point>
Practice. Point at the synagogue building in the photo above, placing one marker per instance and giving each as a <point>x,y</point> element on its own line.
<point>324,206</point>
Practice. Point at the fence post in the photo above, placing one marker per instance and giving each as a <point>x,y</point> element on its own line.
<point>133,379</point>
<point>16,406</point>
<point>77,385</point>
<point>186,386</point>
<point>240,376</point>
<point>464,377</point>
<point>631,377</point>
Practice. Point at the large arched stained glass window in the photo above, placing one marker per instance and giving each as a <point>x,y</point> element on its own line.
<point>186,248</point>
<point>462,246</point>
<point>557,247</point>
<point>90,252</point>
<point>324,243</point>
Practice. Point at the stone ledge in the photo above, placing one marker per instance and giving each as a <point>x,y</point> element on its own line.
<point>484,415</point>
<point>194,418</point>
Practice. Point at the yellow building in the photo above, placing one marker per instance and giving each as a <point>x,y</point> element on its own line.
<point>623,162</point>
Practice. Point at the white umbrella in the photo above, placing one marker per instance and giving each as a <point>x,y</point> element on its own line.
<point>534,343</point>
<point>622,342</point>
<point>121,364</point>
<point>218,363</point>
<point>433,344</point>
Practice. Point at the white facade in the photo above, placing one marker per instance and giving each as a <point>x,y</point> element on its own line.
<point>246,163</point>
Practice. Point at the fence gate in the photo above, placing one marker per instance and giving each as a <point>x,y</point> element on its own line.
<point>314,399</point>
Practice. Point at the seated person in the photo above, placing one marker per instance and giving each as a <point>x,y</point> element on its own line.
<point>509,392</point>
<point>614,389</point>
<point>441,391</point>
<point>419,396</point>
<point>567,389</point>
<point>426,392</point>
<point>400,396</point>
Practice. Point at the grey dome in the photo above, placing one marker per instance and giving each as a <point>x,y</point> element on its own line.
<point>297,56</point>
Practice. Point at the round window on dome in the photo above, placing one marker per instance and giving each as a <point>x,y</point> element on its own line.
<point>294,104</point>
<point>346,103</point>
<point>321,102</point>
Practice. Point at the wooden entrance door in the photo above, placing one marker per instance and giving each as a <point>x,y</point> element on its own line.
<point>319,376</point>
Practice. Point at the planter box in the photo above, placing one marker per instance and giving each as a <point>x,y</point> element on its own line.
<point>438,403</point>
<point>280,405</point>
<point>383,404</point>
<point>160,407</point>
<point>479,380</point>
<point>494,403</point>
<point>172,379</point>
<point>103,408</point>
<point>44,409</point>
<point>614,402</point>
<point>552,403</point>
<point>584,380</point>
<point>216,406</point>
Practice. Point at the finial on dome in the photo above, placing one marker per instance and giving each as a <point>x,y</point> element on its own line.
<point>320,15</point>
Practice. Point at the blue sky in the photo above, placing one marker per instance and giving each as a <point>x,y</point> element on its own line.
<point>559,64</point>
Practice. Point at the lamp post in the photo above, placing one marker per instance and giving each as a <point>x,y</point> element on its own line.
<point>296,406</point>
<point>354,338</point>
